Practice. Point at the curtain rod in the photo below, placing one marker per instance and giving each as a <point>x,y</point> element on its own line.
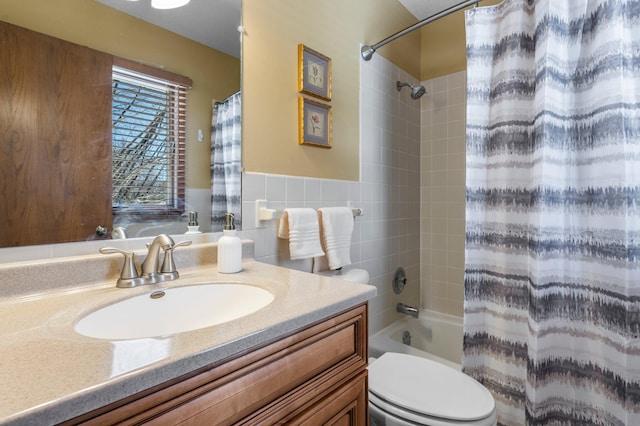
<point>368,51</point>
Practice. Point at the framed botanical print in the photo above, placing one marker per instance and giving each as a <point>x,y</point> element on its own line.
<point>314,73</point>
<point>314,123</point>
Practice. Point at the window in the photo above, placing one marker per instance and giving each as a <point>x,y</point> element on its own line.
<point>148,142</point>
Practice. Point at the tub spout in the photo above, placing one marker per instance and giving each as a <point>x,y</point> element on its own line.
<point>406,309</point>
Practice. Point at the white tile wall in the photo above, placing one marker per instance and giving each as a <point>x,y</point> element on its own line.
<point>388,235</point>
<point>443,193</point>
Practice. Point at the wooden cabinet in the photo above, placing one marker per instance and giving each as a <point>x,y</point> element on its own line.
<point>316,376</point>
<point>345,406</point>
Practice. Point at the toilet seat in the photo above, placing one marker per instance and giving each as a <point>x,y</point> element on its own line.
<point>399,385</point>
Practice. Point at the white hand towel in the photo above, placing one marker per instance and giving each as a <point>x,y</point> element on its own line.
<point>336,227</point>
<point>301,227</point>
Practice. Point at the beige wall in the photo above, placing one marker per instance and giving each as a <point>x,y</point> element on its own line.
<point>335,28</point>
<point>215,75</point>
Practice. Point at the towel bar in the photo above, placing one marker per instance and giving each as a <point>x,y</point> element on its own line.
<point>263,213</point>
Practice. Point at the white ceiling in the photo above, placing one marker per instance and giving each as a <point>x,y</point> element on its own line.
<point>422,9</point>
<point>213,23</point>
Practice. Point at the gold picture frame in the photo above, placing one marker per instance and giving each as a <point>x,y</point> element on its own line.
<point>314,123</point>
<point>314,73</point>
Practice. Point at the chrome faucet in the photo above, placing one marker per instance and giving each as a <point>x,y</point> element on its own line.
<point>406,309</point>
<point>152,270</point>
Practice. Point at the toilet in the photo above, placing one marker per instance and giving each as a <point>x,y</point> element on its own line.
<point>354,275</point>
<point>407,390</point>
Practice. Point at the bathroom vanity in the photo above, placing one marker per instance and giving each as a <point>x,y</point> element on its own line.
<point>299,360</point>
<point>313,376</point>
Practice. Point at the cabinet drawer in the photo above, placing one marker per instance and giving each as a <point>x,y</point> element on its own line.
<point>287,373</point>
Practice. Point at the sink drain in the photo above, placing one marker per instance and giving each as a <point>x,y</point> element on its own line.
<point>157,294</point>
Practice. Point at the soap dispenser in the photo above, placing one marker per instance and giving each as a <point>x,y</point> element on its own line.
<point>229,248</point>
<point>193,227</point>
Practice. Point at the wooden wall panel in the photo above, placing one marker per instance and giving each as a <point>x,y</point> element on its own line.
<point>55,139</point>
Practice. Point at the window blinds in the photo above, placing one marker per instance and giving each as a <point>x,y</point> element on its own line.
<point>149,120</point>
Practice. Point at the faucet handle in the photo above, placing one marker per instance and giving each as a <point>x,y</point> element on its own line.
<point>129,274</point>
<point>168,269</point>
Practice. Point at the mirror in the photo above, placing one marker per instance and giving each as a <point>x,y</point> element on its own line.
<point>215,72</point>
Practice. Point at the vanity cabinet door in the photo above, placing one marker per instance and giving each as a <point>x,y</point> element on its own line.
<point>346,406</point>
<point>315,374</point>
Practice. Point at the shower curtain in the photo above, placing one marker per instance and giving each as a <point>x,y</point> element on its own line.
<point>552,274</point>
<point>226,170</point>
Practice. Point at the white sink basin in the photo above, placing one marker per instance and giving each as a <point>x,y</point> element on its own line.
<point>173,310</point>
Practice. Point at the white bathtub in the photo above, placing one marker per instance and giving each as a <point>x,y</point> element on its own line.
<point>433,335</point>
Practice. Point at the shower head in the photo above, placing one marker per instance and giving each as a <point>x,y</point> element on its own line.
<point>416,91</point>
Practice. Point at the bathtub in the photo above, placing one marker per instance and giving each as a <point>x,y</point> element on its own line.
<point>433,335</point>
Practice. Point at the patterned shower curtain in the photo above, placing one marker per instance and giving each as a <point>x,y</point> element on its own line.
<point>226,169</point>
<point>552,274</point>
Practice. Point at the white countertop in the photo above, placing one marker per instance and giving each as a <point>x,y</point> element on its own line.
<point>50,373</point>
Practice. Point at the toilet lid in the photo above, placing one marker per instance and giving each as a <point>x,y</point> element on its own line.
<point>429,388</point>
